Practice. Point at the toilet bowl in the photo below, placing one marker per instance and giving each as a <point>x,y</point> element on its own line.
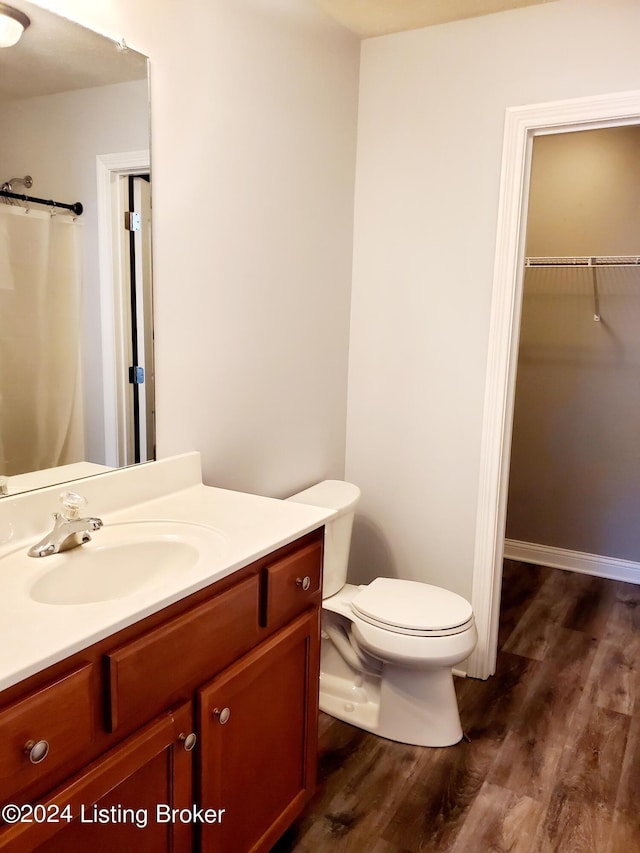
<point>388,647</point>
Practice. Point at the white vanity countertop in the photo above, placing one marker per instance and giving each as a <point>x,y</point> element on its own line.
<point>35,635</point>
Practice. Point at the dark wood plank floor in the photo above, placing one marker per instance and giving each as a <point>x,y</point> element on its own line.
<point>553,762</point>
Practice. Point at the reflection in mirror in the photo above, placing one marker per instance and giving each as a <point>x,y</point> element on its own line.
<point>76,336</point>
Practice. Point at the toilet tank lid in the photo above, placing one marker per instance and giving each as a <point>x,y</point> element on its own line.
<point>329,494</point>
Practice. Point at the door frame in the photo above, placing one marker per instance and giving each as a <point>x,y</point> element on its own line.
<point>109,169</point>
<point>522,124</point>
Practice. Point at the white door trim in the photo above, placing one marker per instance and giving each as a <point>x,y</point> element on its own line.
<point>109,167</point>
<point>521,125</point>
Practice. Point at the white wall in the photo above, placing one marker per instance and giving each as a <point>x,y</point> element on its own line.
<point>253,156</point>
<point>584,197</point>
<point>431,113</point>
<point>253,123</point>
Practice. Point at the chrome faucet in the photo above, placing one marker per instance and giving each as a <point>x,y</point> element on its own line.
<point>69,530</point>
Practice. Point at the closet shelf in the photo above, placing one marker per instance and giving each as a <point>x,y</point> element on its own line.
<point>585,261</point>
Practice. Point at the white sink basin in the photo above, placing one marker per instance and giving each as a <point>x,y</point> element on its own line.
<point>121,560</point>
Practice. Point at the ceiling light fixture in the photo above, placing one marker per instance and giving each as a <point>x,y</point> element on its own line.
<point>12,24</point>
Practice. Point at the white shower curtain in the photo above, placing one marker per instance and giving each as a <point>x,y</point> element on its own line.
<point>41,418</point>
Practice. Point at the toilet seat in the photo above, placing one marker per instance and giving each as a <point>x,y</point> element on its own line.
<point>412,608</point>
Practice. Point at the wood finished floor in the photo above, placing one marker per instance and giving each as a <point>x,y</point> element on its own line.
<point>554,758</point>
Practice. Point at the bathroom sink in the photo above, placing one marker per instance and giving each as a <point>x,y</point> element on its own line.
<point>121,560</point>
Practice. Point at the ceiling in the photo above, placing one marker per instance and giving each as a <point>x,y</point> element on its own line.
<point>57,55</point>
<point>369,18</point>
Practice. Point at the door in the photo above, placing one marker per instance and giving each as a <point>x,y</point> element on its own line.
<point>140,407</point>
<point>258,731</point>
<point>120,802</point>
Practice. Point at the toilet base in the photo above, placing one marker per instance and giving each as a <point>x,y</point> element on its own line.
<point>417,707</point>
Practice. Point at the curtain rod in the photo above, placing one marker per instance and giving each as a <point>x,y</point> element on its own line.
<point>76,207</point>
<point>600,261</point>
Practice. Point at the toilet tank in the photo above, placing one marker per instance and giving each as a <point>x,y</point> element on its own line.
<point>342,497</point>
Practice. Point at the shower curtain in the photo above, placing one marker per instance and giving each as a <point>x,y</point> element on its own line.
<point>41,418</point>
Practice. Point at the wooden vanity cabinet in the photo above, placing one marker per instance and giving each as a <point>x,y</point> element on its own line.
<point>257,723</point>
<point>112,804</point>
<point>168,663</point>
<point>236,664</point>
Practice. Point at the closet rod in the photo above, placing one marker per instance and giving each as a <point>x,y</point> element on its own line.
<point>76,207</point>
<point>593,261</point>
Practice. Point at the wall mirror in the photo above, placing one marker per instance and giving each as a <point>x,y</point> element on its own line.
<point>76,331</point>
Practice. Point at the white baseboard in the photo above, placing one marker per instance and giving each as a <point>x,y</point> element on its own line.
<point>573,561</point>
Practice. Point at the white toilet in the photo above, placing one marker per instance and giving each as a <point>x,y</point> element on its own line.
<point>387,648</point>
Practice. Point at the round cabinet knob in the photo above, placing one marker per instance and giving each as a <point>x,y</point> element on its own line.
<point>304,582</point>
<point>188,741</point>
<point>222,715</point>
<point>36,750</point>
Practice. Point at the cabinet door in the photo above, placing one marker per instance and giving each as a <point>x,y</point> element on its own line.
<point>258,738</point>
<point>113,805</point>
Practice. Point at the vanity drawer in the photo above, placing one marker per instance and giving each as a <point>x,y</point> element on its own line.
<point>291,584</point>
<point>54,723</point>
<point>165,665</point>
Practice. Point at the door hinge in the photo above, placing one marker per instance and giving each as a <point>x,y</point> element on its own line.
<point>136,375</point>
<point>132,221</point>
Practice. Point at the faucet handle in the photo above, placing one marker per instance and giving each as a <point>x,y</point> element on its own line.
<point>71,503</point>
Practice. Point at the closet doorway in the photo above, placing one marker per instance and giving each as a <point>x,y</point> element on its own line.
<point>574,485</point>
<point>522,126</point>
